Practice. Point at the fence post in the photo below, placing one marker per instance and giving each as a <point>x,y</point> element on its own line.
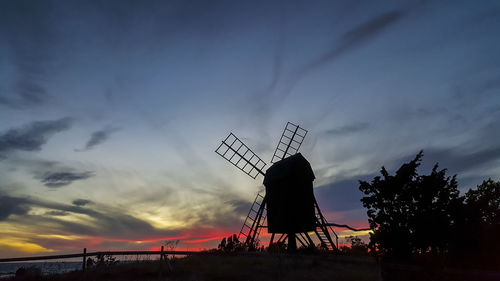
<point>161,262</point>
<point>84,259</point>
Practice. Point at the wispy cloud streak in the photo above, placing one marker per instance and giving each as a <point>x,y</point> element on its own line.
<point>81,202</point>
<point>33,136</point>
<point>98,137</point>
<point>31,55</point>
<point>59,179</point>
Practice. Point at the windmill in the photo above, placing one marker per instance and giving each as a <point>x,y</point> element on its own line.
<point>288,209</point>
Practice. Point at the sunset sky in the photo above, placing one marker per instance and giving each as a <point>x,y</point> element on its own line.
<point>110,111</point>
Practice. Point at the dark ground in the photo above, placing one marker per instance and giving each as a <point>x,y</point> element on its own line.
<point>265,267</point>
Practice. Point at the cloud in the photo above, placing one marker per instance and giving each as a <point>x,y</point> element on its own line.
<point>344,196</point>
<point>348,129</point>
<point>50,173</point>
<point>58,179</point>
<point>241,207</point>
<point>341,195</point>
<point>471,165</point>
<point>12,206</point>
<point>352,39</point>
<point>101,221</point>
<point>56,213</point>
<point>33,136</point>
<point>368,29</point>
<point>31,45</point>
<point>99,137</point>
<point>81,202</point>
<point>458,160</point>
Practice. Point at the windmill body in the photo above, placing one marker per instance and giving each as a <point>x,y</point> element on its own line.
<point>290,196</point>
<point>289,205</point>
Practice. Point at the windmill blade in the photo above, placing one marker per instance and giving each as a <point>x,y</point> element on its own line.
<point>290,142</point>
<point>238,154</point>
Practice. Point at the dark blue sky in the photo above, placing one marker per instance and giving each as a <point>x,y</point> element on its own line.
<point>111,110</point>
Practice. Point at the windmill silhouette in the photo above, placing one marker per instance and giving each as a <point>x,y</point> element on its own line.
<point>288,208</point>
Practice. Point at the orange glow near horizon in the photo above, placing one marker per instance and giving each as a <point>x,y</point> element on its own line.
<point>205,239</point>
<point>190,240</point>
<point>16,242</point>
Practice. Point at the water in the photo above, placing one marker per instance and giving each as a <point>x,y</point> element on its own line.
<point>9,269</point>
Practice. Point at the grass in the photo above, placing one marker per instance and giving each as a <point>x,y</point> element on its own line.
<point>230,267</point>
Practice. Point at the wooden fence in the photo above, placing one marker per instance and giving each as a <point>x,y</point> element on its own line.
<point>162,253</point>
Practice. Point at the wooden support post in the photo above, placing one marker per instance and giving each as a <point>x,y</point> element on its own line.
<point>303,238</point>
<point>84,264</point>
<point>292,243</point>
<point>311,242</point>
<point>162,257</point>
<point>282,237</point>
<point>297,237</point>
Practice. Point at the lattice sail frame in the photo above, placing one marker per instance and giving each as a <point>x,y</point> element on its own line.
<point>290,141</point>
<point>237,153</point>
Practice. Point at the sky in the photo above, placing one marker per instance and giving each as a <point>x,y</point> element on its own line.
<point>111,110</point>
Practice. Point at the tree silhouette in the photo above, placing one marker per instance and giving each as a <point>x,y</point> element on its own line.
<point>485,202</point>
<point>476,233</point>
<point>410,213</point>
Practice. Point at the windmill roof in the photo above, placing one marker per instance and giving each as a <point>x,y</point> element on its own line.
<point>295,165</point>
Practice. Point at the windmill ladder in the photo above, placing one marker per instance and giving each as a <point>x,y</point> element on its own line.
<point>254,220</point>
<point>323,230</point>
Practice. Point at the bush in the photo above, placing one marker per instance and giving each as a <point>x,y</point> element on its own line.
<point>231,244</point>
<point>102,262</point>
<point>357,247</point>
